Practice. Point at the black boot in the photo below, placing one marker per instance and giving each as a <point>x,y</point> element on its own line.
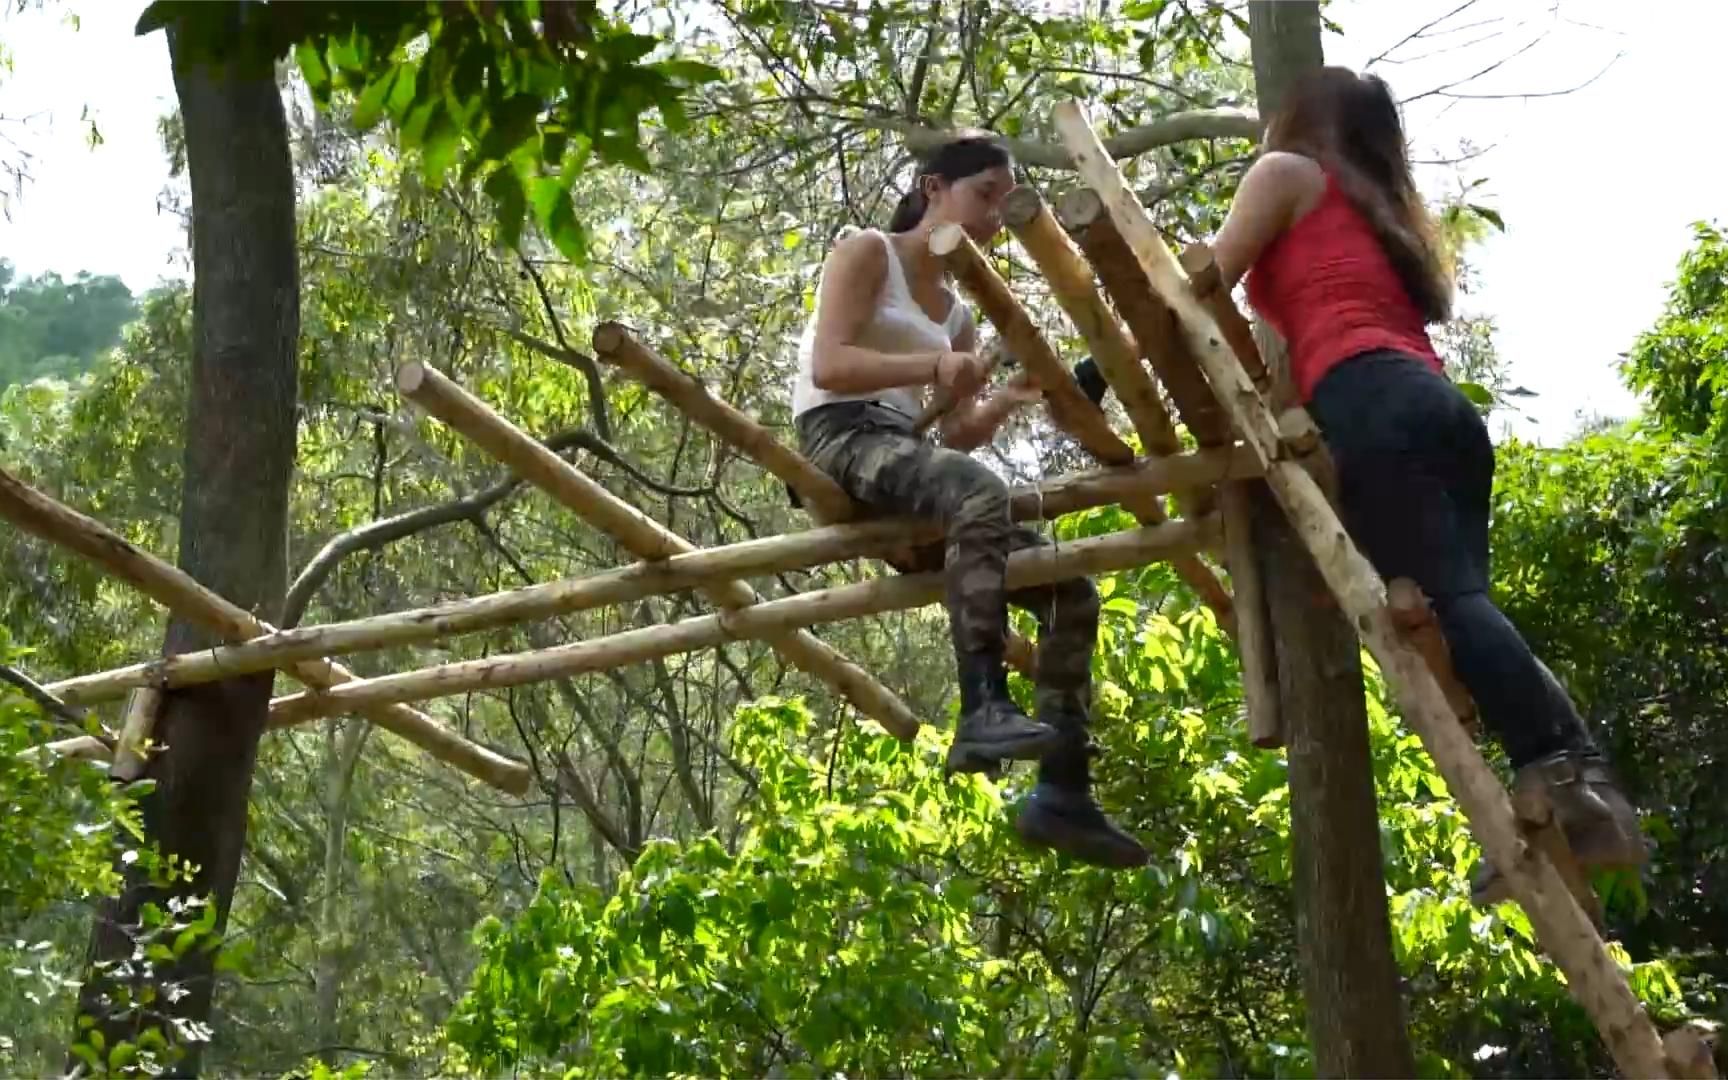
<point>1061,813</point>
<point>991,726</point>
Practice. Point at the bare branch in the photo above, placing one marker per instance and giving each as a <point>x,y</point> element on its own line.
<point>55,708</point>
<point>1177,127</point>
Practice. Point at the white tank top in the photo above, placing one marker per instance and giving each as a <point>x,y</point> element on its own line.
<point>899,325</point>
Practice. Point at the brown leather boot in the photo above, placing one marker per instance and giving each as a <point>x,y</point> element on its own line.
<point>1601,825</point>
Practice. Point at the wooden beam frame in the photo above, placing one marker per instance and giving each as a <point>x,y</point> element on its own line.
<point>1069,407</point>
<point>769,620</point>
<point>1561,926</point>
<point>640,534</point>
<point>1071,283</point>
<point>614,344</point>
<point>1082,213</point>
<point>705,567</point>
<point>176,590</point>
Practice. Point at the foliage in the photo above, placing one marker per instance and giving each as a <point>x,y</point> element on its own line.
<point>1682,361</point>
<point>876,918</point>
<point>50,328</point>
<point>529,91</point>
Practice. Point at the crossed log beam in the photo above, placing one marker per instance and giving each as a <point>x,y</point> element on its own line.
<point>177,591</point>
<point>650,577</point>
<point>1562,927</point>
<point>1069,408</point>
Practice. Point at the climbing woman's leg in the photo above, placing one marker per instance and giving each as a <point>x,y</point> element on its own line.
<point>1415,473</point>
<point>1061,812</point>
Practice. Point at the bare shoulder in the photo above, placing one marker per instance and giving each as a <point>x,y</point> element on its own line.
<point>1287,169</point>
<point>862,253</point>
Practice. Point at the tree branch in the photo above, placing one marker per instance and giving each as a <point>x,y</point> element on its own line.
<point>56,709</point>
<point>1177,127</point>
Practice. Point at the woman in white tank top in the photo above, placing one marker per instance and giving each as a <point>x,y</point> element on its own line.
<point>888,325</point>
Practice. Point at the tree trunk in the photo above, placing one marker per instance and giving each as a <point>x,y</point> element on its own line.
<point>239,456</point>
<point>1355,1009</point>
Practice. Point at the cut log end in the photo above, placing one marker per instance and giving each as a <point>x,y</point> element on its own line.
<point>410,376</point>
<point>946,239</point>
<point>1022,205</point>
<point>1078,209</point>
<point>609,337</point>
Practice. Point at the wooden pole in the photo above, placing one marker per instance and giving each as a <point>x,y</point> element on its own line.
<point>1082,213</point>
<point>1254,643</point>
<point>1070,279</point>
<point>706,567</point>
<point>818,491</point>
<point>1072,411</point>
<point>641,535</point>
<point>1562,927</point>
<point>1069,407</point>
<point>175,590</point>
<point>768,620</point>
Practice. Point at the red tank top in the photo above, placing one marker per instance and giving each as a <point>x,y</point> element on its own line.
<point>1326,285</point>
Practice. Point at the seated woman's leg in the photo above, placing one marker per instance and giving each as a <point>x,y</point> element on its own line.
<point>1061,812</point>
<point>879,462</point>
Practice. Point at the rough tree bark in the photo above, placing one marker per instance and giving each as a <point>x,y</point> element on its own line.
<point>1355,1008</point>
<point>239,455</point>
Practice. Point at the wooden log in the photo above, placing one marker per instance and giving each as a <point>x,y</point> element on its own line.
<point>142,709</point>
<point>641,535</point>
<point>1082,213</point>
<point>1254,642</point>
<point>1208,286</point>
<point>1069,407</point>
<point>752,558</point>
<point>614,344</point>
<point>1561,926</point>
<point>1070,280</point>
<point>1071,410</point>
<point>1414,620</point>
<point>175,590</point>
<point>768,620</point>
<point>78,748</point>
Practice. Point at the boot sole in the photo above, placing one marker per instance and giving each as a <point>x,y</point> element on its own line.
<point>979,756</point>
<point>1106,856</point>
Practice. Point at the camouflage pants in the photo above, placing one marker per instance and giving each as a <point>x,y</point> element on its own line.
<point>871,451</point>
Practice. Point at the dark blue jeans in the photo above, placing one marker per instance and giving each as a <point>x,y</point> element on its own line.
<point>1415,476</point>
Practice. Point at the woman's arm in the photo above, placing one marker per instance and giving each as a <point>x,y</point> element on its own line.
<point>972,422</point>
<point>1277,190</point>
<point>851,282</point>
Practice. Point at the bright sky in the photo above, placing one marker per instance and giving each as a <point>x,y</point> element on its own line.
<point>1598,187</point>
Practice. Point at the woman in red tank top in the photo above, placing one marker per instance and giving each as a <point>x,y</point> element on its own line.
<point>1342,260</point>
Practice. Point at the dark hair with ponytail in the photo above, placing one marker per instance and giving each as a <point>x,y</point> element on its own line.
<point>1349,124</point>
<point>953,160</point>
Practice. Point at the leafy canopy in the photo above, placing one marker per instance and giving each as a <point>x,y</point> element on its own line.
<point>526,92</point>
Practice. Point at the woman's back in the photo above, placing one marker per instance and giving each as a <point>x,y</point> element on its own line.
<point>1327,286</point>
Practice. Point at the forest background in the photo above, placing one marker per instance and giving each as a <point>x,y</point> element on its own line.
<point>718,868</point>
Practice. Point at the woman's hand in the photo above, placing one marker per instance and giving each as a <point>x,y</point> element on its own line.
<point>960,373</point>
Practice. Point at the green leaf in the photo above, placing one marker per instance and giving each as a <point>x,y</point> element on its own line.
<point>1492,217</point>
<point>312,68</point>
<point>510,125</point>
<point>557,217</point>
<point>509,203</point>
<point>1477,393</point>
<point>443,141</point>
<point>370,108</point>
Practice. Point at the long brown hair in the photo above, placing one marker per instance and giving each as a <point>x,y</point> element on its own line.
<point>1349,124</point>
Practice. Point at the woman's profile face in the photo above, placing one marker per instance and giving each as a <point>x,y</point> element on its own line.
<point>974,202</point>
